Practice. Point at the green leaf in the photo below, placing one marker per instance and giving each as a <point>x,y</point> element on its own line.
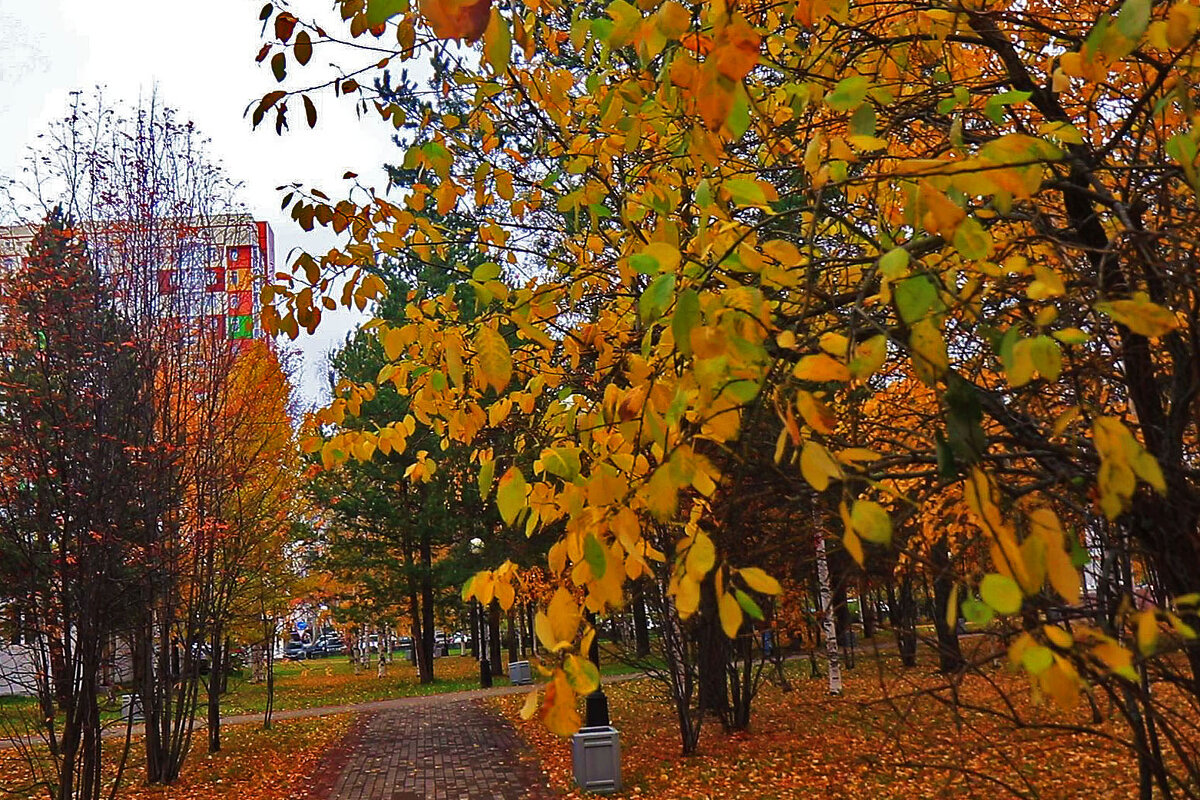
<point>994,107</point>
<point>862,123</point>
<point>871,521</point>
<point>644,263</point>
<point>977,613</point>
<point>497,43</point>
<point>971,240</point>
<point>894,263</point>
<point>745,192</point>
<point>593,554</point>
<point>848,94</point>
<point>748,605</point>
<point>1037,659</point>
<point>1134,18</point>
<point>561,461</point>
<point>380,11</point>
<point>1001,593</point>
<point>582,675</point>
<point>656,298</point>
<point>485,479</point>
<point>738,120</point>
<point>686,317</point>
<point>487,271</point>
<point>914,297</point>
<point>510,496</point>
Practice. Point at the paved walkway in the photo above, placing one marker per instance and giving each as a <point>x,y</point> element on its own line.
<point>443,750</point>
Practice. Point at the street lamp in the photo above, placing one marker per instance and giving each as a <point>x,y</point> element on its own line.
<point>485,668</point>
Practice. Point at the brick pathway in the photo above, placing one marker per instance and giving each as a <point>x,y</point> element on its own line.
<point>439,750</point>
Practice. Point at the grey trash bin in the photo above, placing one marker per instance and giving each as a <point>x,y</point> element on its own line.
<point>596,754</point>
<point>519,673</point>
<point>131,708</point>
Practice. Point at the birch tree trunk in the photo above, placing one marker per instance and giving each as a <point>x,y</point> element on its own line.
<point>828,628</point>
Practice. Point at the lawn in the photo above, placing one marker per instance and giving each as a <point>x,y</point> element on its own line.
<point>883,738</point>
<point>303,684</point>
<point>332,682</point>
<point>265,765</point>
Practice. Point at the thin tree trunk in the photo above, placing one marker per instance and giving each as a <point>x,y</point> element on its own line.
<point>828,625</point>
<point>494,638</point>
<point>945,619</point>
<point>641,621</point>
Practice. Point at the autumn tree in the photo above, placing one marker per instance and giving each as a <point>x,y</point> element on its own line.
<point>158,210</point>
<point>74,388</point>
<point>762,206</point>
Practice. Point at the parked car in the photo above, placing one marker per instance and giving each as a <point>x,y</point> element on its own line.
<point>295,650</point>
<point>327,644</point>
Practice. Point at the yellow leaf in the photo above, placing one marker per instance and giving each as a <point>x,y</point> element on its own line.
<point>929,357</point>
<point>1147,631</point>
<point>1062,574</point>
<point>1001,593</point>
<point>1061,683</point>
<point>869,357</point>
<point>564,616</point>
<point>731,615</point>
<point>835,344</point>
<point>818,467</point>
<point>1033,556</point>
<point>582,675</point>
<point>393,344</point>
<point>1118,659</point>
<point>871,521</point>
<point>1141,316</point>
<point>505,594</point>
<point>493,360</point>
<point>530,707</point>
<point>667,255</point>
<point>687,597</point>
<point>760,581</point>
<point>854,546</point>
<point>701,556</point>
<point>852,455</point>
<point>484,586</point>
<point>1020,372</point>
<point>820,368</point>
<point>510,495</point>
<point>560,716</point>
<point>1058,637</point>
<point>816,414</point>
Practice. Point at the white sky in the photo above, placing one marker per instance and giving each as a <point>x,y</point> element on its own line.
<point>200,55</point>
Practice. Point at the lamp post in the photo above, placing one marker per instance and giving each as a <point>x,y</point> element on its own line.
<point>485,668</point>
<point>596,703</point>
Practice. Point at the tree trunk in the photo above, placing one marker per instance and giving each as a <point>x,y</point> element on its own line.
<point>494,638</point>
<point>906,623</point>
<point>512,634</point>
<point>474,615</point>
<point>215,669</point>
<point>945,619</point>
<point>713,658</point>
<point>866,606</point>
<point>425,667</point>
<point>828,626</point>
<point>641,622</point>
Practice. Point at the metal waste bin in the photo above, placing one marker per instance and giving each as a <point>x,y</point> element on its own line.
<point>131,708</point>
<point>519,673</point>
<point>596,755</point>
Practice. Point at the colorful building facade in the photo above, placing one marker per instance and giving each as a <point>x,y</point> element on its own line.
<point>206,275</point>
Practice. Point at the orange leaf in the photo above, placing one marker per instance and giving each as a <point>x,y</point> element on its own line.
<point>457,19</point>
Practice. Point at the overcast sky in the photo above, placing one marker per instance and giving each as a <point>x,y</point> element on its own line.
<point>200,56</point>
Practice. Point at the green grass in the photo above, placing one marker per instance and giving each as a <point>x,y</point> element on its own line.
<point>318,683</point>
